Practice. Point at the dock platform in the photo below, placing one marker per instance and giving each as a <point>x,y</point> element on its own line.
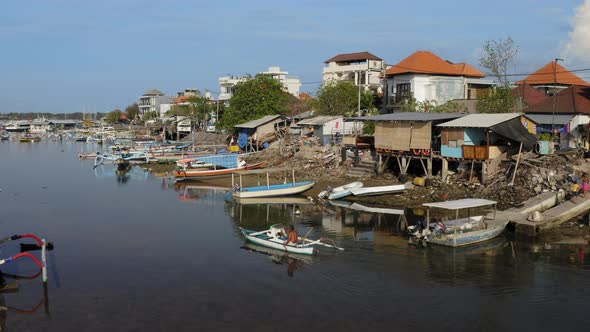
<point>553,209</point>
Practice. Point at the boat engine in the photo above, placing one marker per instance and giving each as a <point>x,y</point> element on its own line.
<point>277,231</point>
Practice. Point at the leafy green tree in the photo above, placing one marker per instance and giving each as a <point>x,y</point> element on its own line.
<point>254,99</point>
<point>412,105</point>
<point>197,108</point>
<point>132,111</point>
<point>341,98</point>
<point>496,100</point>
<point>113,116</point>
<point>150,116</point>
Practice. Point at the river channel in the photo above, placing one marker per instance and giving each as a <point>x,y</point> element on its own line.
<point>136,252</point>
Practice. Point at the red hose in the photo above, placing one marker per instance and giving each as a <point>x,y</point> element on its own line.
<point>26,254</point>
<point>33,236</point>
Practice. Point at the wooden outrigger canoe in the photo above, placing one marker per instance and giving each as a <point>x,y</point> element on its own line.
<point>275,237</point>
<point>201,173</point>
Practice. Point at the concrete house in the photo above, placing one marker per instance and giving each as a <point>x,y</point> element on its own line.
<point>362,68</point>
<point>423,76</point>
<point>566,113</point>
<point>154,101</point>
<point>553,75</point>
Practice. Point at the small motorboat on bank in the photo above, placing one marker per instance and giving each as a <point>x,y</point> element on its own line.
<point>379,190</point>
<point>275,237</point>
<point>460,231</point>
<point>341,191</point>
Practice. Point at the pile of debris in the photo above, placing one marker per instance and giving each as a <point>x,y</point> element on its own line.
<point>535,175</point>
<point>314,161</point>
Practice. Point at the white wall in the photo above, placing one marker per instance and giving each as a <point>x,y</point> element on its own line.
<point>431,88</point>
<point>164,108</point>
<point>330,126</point>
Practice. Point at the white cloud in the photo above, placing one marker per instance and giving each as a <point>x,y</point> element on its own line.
<point>578,45</point>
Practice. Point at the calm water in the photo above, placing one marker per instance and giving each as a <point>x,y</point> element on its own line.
<point>138,253</point>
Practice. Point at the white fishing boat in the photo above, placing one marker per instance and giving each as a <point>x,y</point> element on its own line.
<point>18,126</point>
<point>289,200</point>
<point>269,190</point>
<point>379,190</point>
<point>275,238</point>
<point>462,231</point>
<point>341,191</point>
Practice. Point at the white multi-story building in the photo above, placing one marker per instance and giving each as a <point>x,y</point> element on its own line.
<point>227,86</point>
<point>361,68</point>
<point>423,76</point>
<point>227,83</point>
<point>291,84</point>
<point>152,100</point>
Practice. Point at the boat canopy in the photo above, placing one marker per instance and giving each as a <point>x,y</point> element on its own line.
<point>266,170</point>
<point>461,204</point>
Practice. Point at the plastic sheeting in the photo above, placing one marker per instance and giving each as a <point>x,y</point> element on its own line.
<point>515,131</point>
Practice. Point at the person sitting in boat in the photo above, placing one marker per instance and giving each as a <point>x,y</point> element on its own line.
<point>293,236</point>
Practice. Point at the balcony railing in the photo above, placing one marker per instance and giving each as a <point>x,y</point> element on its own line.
<point>396,100</point>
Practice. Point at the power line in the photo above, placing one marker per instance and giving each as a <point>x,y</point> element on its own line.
<point>417,70</point>
<point>317,82</point>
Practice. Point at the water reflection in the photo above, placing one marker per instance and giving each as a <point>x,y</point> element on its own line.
<point>293,262</point>
<point>122,173</point>
<point>201,192</point>
<point>11,287</point>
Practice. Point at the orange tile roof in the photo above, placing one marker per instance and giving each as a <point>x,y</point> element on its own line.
<point>544,76</point>
<point>353,57</point>
<point>426,62</point>
<point>575,99</point>
<point>182,99</point>
<point>531,96</point>
<point>305,96</point>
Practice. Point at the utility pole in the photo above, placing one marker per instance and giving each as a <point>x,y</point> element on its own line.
<point>554,94</point>
<point>359,99</point>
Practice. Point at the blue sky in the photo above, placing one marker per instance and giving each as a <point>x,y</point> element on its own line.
<point>94,56</point>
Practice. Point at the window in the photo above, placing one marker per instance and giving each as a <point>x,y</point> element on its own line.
<point>402,92</point>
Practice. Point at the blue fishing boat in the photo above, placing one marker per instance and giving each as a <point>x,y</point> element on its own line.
<point>269,190</point>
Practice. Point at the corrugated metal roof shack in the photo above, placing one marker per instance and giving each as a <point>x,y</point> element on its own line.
<point>487,136</point>
<point>408,132</point>
<point>256,134</point>
<point>328,129</point>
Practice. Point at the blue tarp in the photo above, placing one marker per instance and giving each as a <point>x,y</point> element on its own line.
<point>243,138</point>
<point>229,160</point>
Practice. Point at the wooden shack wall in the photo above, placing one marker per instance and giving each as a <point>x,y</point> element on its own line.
<point>267,128</point>
<point>421,135</point>
<point>403,136</point>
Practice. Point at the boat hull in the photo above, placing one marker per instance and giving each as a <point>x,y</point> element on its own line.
<point>467,238</point>
<point>201,173</point>
<point>380,190</point>
<point>277,244</point>
<point>274,190</point>
<point>342,191</point>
